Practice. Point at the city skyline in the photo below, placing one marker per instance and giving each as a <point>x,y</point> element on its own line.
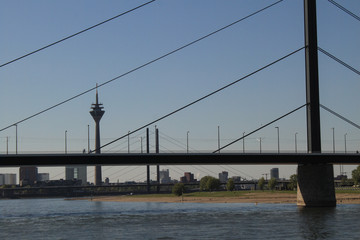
<point>147,94</point>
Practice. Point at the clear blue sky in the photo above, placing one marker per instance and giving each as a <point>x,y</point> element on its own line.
<point>62,71</point>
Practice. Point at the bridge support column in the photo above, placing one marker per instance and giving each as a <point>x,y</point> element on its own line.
<point>315,181</point>
<point>316,185</point>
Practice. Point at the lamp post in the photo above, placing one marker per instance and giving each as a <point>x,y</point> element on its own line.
<point>7,145</point>
<point>333,132</point>
<point>141,144</point>
<point>219,138</point>
<point>243,142</point>
<point>128,141</point>
<point>345,142</point>
<point>260,143</point>
<point>16,133</point>
<point>88,138</point>
<point>278,138</point>
<point>65,141</point>
<point>187,142</point>
<point>296,142</point>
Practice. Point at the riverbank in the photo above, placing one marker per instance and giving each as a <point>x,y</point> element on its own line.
<point>224,197</point>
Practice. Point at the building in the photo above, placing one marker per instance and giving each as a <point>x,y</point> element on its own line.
<point>165,176</point>
<point>76,172</point>
<point>223,176</point>
<point>43,177</point>
<point>187,178</point>
<point>274,173</point>
<point>97,113</point>
<point>28,176</point>
<point>8,179</point>
<point>237,179</point>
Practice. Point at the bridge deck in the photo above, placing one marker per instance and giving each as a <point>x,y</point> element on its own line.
<point>174,159</point>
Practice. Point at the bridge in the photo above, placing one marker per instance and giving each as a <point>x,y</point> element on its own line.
<point>315,169</point>
<point>125,159</point>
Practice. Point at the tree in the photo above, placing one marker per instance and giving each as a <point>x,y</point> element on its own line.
<point>261,183</point>
<point>272,183</point>
<point>230,186</point>
<point>213,184</point>
<point>293,182</point>
<point>209,183</point>
<point>356,175</point>
<point>203,183</point>
<point>344,181</point>
<point>178,189</point>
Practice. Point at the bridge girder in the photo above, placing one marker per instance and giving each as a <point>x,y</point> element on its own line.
<point>52,160</point>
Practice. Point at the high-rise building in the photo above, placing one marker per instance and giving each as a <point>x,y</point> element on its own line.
<point>76,172</point>
<point>223,176</point>
<point>187,178</point>
<point>165,176</point>
<point>28,175</point>
<point>97,114</point>
<point>274,173</point>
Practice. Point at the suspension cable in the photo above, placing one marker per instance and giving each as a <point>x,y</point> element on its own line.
<point>340,116</point>
<point>141,66</point>
<point>345,10</point>
<point>339,61</point>
<point>75,34</point>
<point>202,98</point>
<point>273,121</point>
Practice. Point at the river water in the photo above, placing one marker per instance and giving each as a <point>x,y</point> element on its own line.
<point>82,219</point>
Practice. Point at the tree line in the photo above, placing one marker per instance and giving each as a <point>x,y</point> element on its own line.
<point>209,183</point>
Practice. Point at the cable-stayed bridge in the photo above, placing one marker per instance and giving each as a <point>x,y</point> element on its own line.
<point>312,105</point>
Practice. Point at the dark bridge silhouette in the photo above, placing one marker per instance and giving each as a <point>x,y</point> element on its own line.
<point>123,159</point>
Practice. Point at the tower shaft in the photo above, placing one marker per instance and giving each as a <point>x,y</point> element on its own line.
<point>97,114</point>
<point>98,175</point>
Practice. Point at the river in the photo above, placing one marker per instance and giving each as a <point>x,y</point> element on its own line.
<point>82,219</point>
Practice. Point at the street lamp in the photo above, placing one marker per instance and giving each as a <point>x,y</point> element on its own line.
<point>141,144</point>
<point>65,141</point>
<point>7,145</point>
<point>296,142</point>
<point>219,138</point>
<point>88,138</point>
<point>128,141</point>
<point>260,143</point>
<point>345,142</point>
<point>16,133</point>
<point>333,131</point>
<point>278,135</point>
<point>187,142</point>
<point>243,142</point>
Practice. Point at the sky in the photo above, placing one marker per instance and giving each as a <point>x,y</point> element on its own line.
<point>62,71</point>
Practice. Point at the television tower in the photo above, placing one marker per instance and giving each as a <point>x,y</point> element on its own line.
<point>97,114</point>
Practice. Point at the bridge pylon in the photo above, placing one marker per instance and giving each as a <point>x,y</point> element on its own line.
<point>315,181</point>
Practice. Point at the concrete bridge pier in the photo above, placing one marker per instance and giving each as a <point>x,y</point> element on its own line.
<point>316,185</point>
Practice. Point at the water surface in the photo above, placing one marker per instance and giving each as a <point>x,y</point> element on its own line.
<point>82,219</point>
